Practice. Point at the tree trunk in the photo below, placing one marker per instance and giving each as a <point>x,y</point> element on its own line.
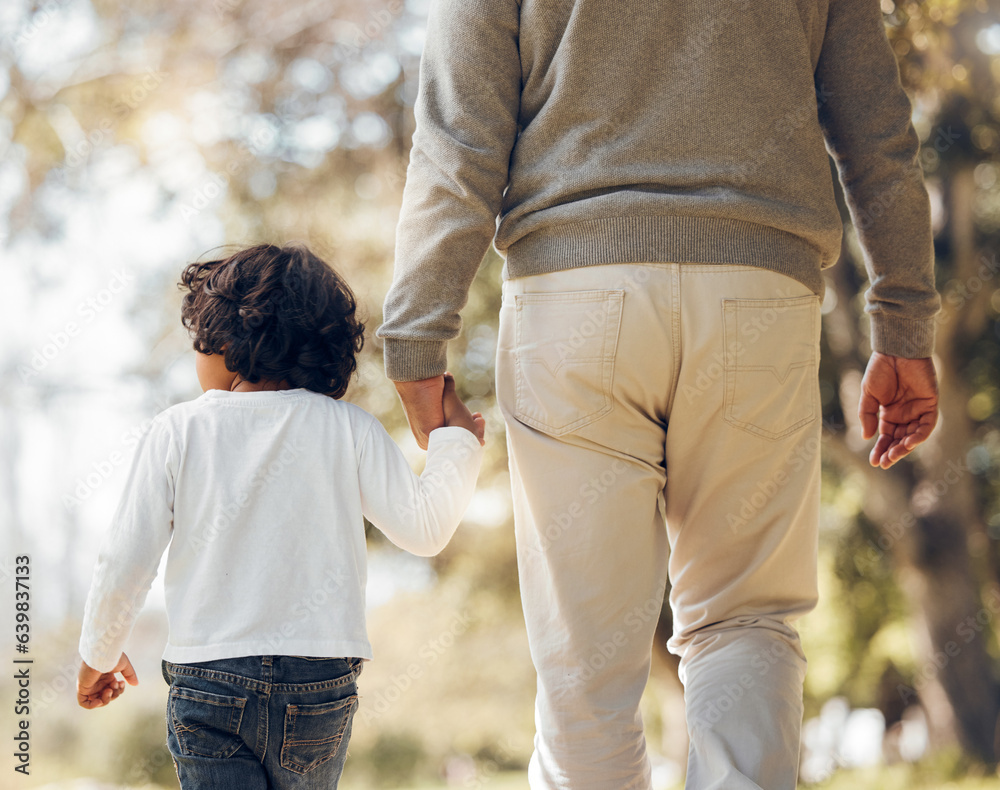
<point>949,536</point>
<point>928,515</point>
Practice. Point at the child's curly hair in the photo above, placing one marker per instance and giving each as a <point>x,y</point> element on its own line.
<point>275,312</point>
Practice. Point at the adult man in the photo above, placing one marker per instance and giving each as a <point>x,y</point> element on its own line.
<point>661,176</point>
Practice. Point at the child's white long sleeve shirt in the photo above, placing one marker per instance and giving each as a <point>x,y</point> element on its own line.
<point>261,496</point>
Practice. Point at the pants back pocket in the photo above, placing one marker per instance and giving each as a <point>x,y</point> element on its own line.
<point>205,724</point>
<point>564,357</point>
<point>316,733</point>
<point>771,364</point>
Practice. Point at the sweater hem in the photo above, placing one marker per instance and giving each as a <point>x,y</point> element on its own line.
<point>666,239</point>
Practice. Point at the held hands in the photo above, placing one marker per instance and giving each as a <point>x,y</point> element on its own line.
<point>423,404</point>
<point>95,689</point>
<point>899,396</point>
<point>433,403</point>
<point>457,413</point>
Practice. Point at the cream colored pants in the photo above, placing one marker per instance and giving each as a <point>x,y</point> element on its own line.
<point>651,406</point>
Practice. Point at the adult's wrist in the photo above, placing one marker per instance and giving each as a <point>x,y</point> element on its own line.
<point>912,338</point>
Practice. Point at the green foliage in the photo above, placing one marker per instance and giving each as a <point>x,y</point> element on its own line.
<point>394,760</point>
<point>141,756</point>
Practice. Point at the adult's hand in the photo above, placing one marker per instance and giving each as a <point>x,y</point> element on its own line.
<point>422,404</point>
<point>899,397</point>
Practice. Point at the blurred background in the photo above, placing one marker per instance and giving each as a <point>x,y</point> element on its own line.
<point>134,137</point>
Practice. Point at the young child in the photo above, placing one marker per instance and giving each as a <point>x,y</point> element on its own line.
<point>260,487</point>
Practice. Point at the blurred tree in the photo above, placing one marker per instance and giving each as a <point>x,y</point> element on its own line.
<point>929,511</point>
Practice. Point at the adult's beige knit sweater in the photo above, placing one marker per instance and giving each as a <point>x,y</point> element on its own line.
<point>613,131</point>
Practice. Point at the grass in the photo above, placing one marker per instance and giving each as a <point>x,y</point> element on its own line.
<point>903,777</point>
<point>508,780</point>
<point>896,777</point>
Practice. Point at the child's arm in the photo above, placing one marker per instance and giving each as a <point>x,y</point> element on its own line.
<point>129,556</point>
<point>420,514</point>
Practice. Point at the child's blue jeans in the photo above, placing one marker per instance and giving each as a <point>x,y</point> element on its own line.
<point>261,722</point>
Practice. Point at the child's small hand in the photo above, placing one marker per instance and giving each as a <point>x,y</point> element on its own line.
<point>95,689</point>
<point>457,413</point>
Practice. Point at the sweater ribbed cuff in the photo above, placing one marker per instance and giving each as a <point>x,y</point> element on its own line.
<point>912,338</point>
<point>414,360</point>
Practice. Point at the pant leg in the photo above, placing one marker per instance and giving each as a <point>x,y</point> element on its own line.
<point>311,709</point>
<point>743,460</point>
<point>585,363</point>
<point>212,724</point>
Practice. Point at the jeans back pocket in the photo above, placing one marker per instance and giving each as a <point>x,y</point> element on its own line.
<point>317,733</point>
<point>771,364</point>
<point>205,724</point>
<point>564,357</point>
